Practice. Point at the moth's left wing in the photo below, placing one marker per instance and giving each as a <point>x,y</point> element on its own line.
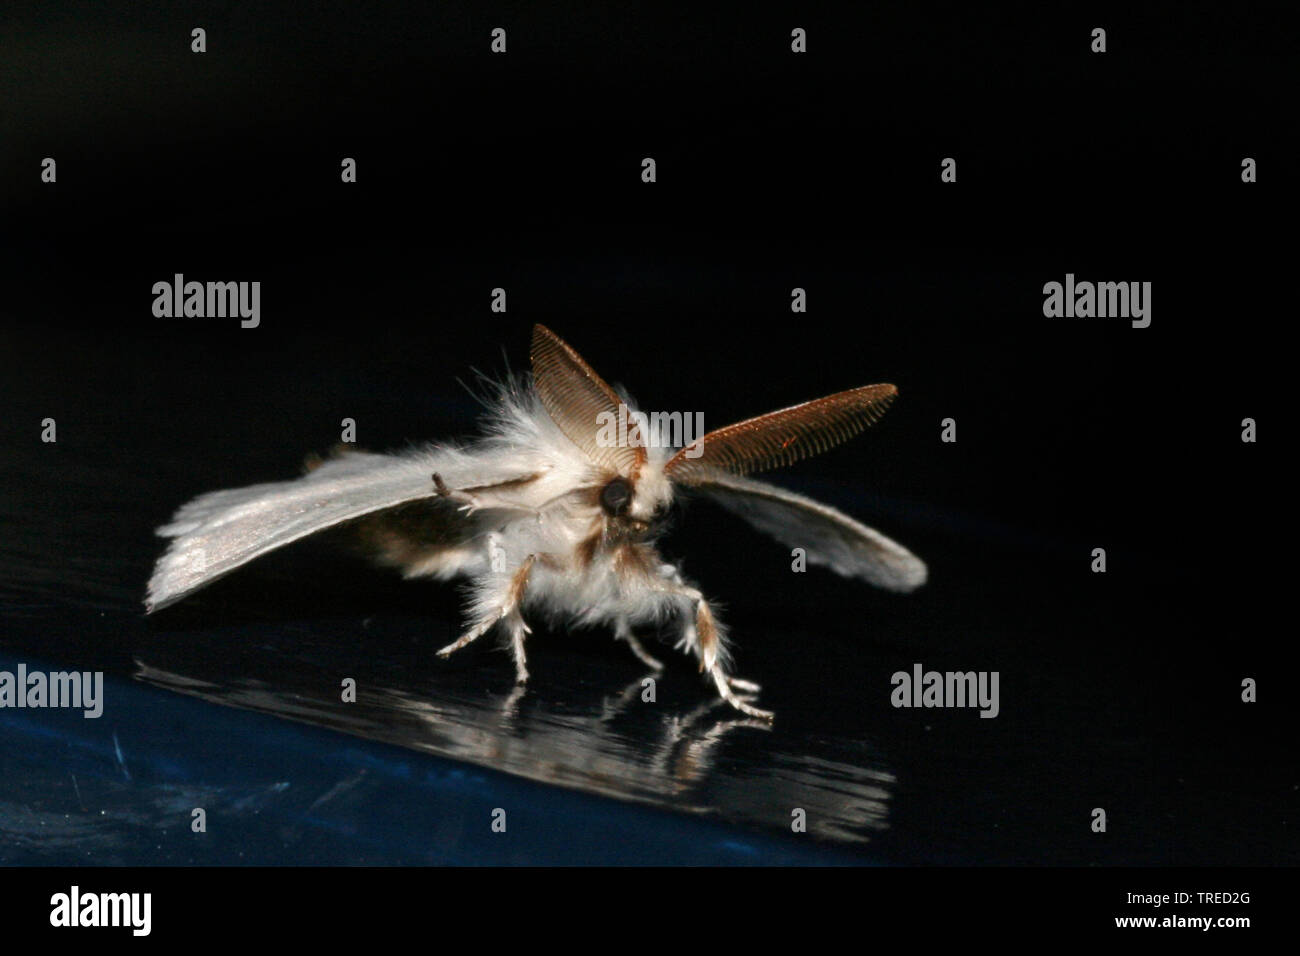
<point>829,537</point>
<point>223,530</point>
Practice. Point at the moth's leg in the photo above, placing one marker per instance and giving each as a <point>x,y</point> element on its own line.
<point>507,610</point>
<point>689,642</point>
<point>469,503</point>
<point>623,632</point>
<point>690,639</point>
<point>710,651</point>
<point>704,637</point>
<point>473,634</point>
<point>515,621</point>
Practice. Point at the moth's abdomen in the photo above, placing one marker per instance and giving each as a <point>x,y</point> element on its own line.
<point>422,539</point>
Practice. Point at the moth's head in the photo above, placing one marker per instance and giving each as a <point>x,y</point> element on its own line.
<point>636,504</point>
<point>632,491</point>
<point>636,488</point>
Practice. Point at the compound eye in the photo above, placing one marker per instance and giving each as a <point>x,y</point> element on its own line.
<point>616,496</point>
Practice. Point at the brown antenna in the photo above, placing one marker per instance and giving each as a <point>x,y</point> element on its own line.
<point>782,437</point>
<point>575,397</point>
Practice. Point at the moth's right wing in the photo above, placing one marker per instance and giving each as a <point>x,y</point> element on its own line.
<point>716,466</point>
<point>829,537</point>
<point>221,531</point>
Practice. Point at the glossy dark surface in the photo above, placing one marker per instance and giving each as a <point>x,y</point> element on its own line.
<point>877,783</point>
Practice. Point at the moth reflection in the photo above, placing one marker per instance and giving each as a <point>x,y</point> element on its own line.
<point>697,757</point>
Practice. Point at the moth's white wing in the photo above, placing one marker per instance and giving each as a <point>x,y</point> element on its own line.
<point>829,537</point>
<point>220,531</point>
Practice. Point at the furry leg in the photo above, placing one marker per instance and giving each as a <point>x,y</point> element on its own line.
<point>517,631</point>
<point>709,644</point>
<point>623,632</point>
<point>704,637</point>
<point>507,611</point>
<point>515,622</point>
<point>469,503</point>
<point>473,634</point>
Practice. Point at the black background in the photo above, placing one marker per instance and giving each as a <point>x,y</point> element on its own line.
<point>775,170</point>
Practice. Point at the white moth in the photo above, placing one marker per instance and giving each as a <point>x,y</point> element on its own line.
<point>542,514</point>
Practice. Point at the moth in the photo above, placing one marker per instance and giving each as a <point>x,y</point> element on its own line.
<point>544,516</point>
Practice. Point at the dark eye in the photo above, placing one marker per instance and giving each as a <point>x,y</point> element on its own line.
<point>616,496</point>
